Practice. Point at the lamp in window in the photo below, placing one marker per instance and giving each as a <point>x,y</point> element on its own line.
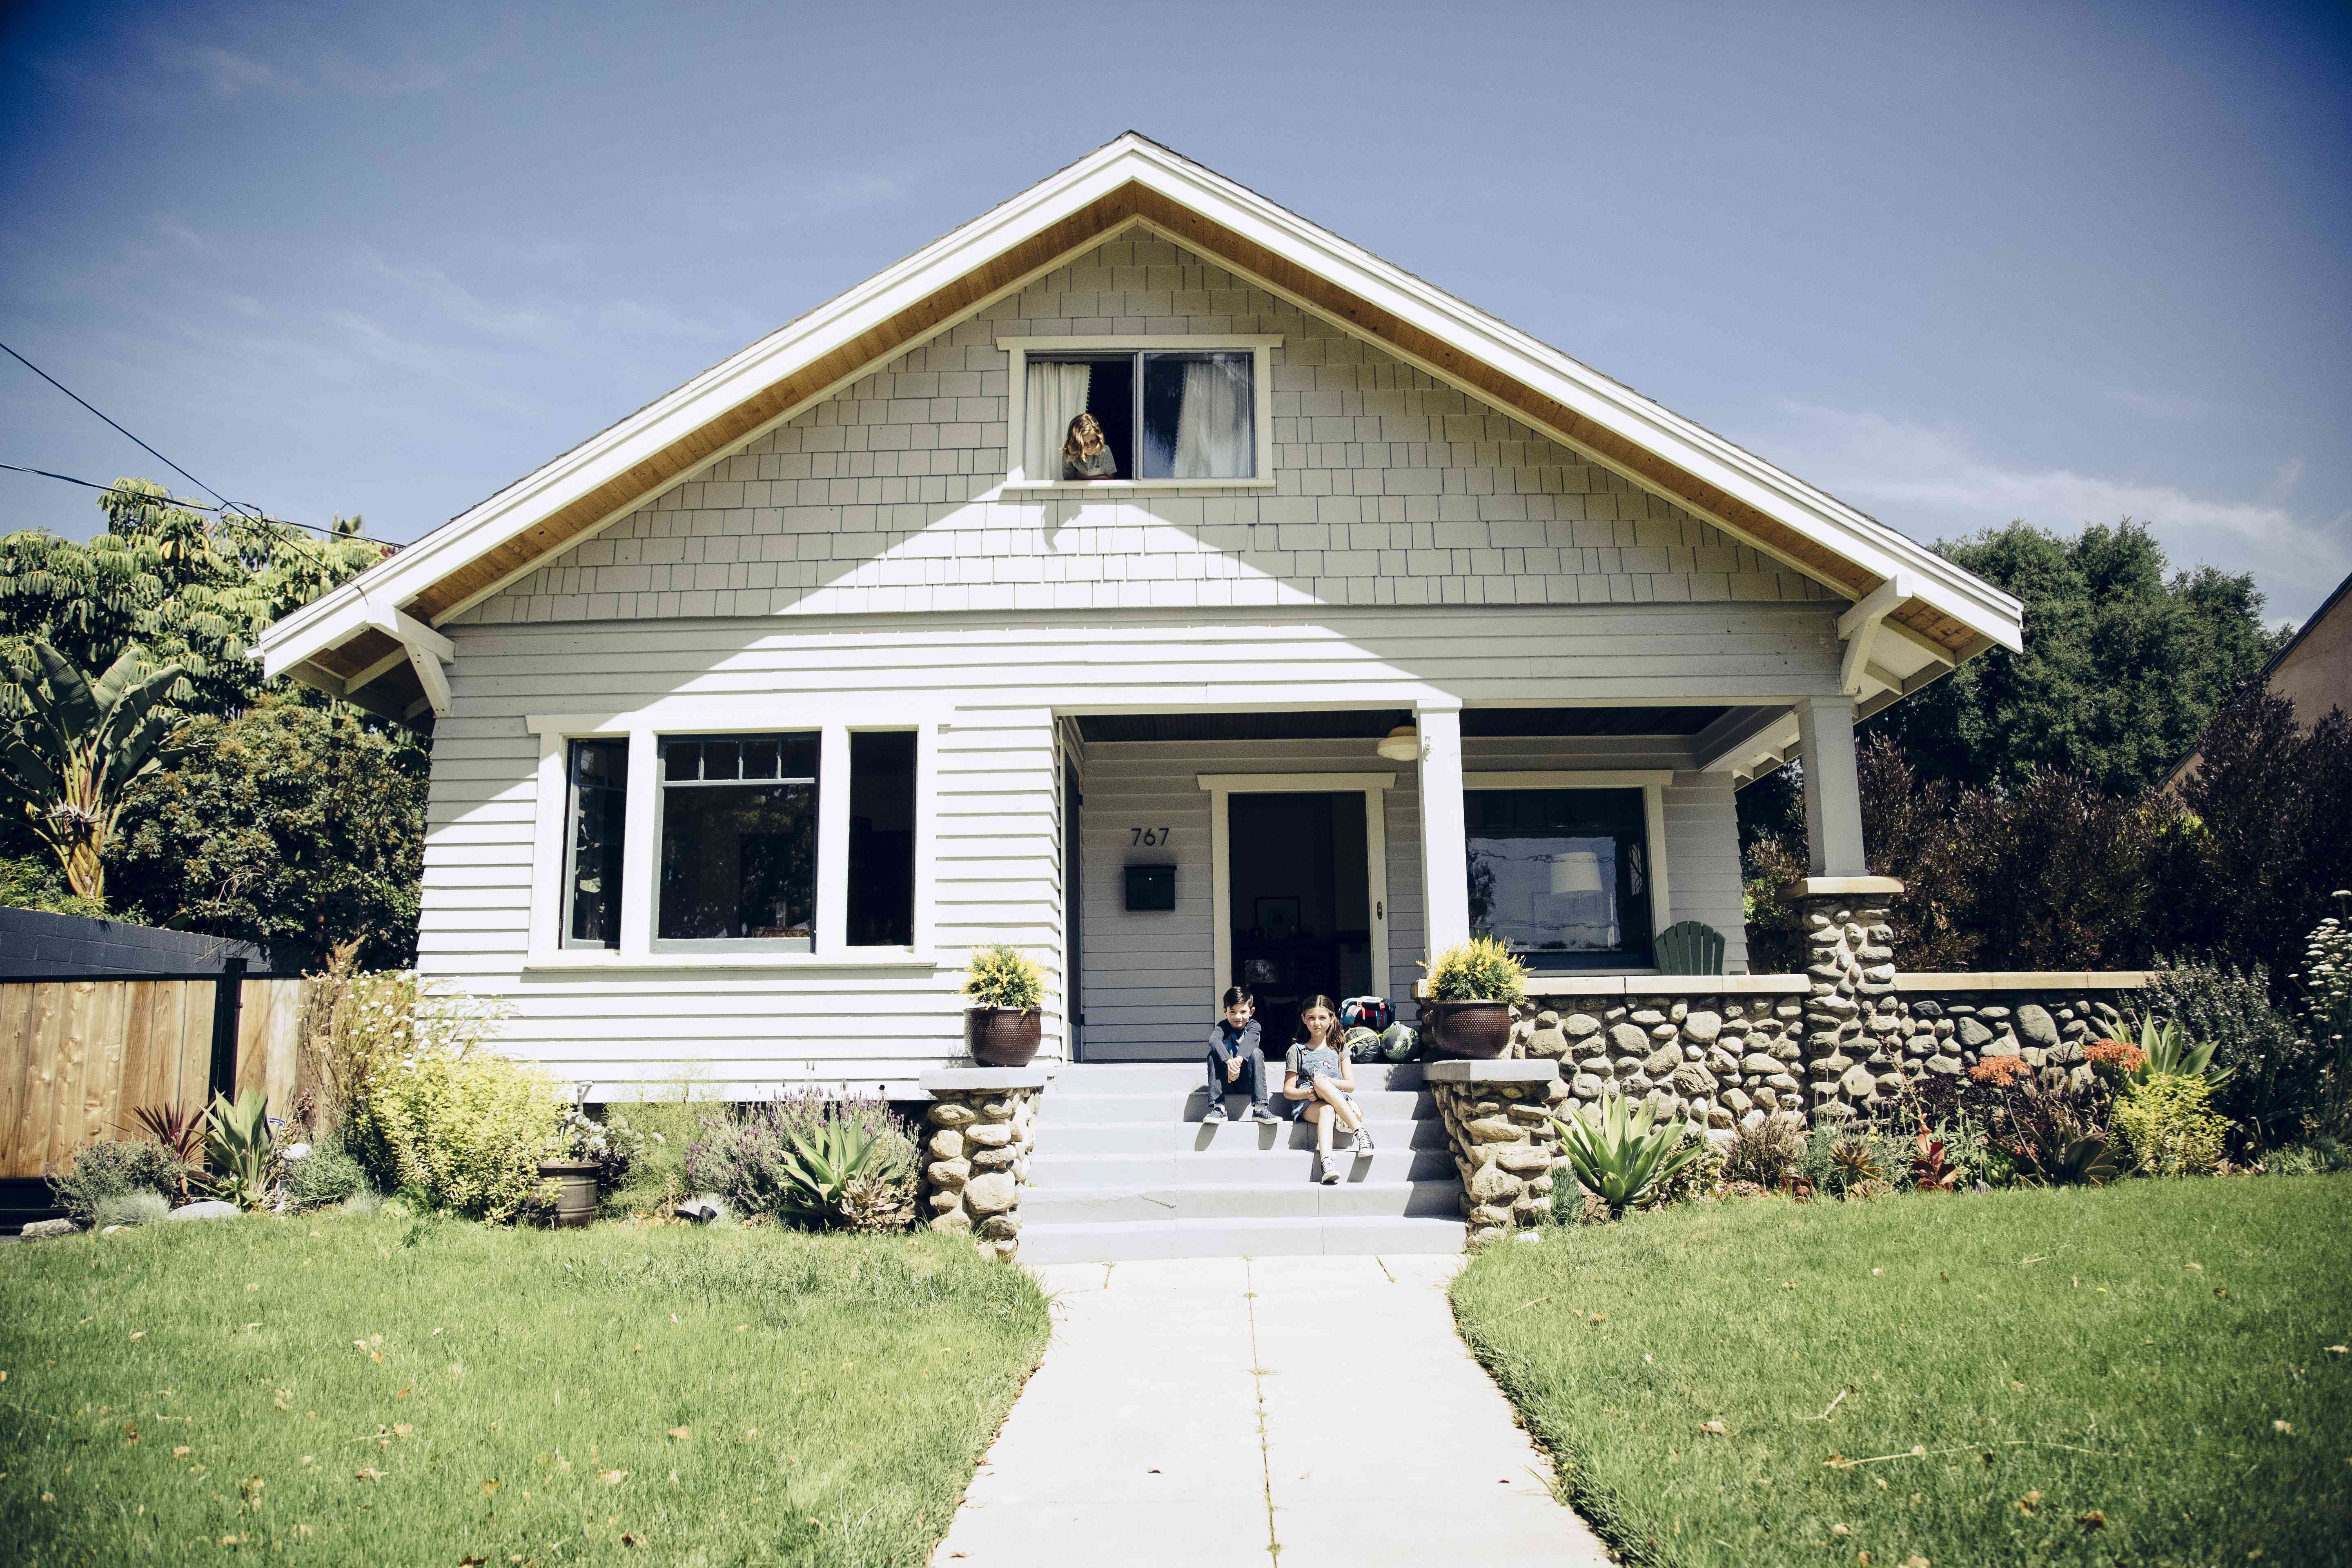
<point>1402,745</point>
<point>1576,871</point>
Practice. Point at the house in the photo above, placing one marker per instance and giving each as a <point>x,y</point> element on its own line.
<point>2314,670</point>
<point>1375,621</point>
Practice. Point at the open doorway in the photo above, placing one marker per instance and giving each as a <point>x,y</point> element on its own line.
<point>1301,902</point>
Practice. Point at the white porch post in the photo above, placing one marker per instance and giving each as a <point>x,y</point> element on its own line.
<point>1833,791</point>
<point>1444,854</point>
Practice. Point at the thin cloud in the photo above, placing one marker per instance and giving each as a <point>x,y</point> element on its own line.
<point>2168,405</point>
<point>230,73</point>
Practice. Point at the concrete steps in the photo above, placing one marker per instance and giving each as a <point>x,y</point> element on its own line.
<point>1126,1168</point>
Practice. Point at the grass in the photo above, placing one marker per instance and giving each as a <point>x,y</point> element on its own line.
<point>2085,1376</point>
<point>341,1390</point>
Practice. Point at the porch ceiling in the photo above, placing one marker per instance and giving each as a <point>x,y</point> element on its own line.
<point>1371,724</point>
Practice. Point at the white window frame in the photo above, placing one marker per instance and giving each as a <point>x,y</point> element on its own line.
<point>1259,347</point>
<point>1651,782</point>
<point>1222,787</point>
<point>833,721</point>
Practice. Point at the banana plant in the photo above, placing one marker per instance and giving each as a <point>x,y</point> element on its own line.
<point>69,759</point>
<point>1620,1158</point>
<point>242,1149</point>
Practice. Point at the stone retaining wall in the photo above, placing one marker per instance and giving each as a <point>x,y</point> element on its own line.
<point>975,1154</point>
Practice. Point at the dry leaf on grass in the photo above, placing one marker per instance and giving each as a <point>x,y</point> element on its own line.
<point>683,1434</point>
<point>367,1474</point>
<point>2029,1502</point>
<point>612,1478</point>
<point>1717,1427</point>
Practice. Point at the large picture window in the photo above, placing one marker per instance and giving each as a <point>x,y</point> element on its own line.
<point>1146,415</point>
<point>739,839</point>
<point>1562,875</point>
<point>597,773</point>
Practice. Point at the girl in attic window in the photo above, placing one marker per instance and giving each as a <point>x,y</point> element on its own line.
<point>1086,455</point>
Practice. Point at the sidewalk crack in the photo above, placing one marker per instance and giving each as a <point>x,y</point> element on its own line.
<point>1257,1380</point>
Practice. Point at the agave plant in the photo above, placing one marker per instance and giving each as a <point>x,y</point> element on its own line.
<point>834,1169</point>
<point>1855,1163</point>
<point>1619,1157</point>
<point>2167,1051</point>
<point>242,1148</point>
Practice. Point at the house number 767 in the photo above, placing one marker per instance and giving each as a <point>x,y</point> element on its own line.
<point>1151,838</point>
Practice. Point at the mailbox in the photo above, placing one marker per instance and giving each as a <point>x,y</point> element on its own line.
<point>1151,886</point>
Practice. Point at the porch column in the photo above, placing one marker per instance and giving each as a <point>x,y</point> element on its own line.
<point>1833,791</point>
<point>1444,853</point>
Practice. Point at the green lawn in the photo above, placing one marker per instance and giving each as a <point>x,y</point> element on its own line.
<point>388,1391</point>
<point>2085,1376</point>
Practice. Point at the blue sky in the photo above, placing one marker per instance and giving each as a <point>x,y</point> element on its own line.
<point>1955,264</point>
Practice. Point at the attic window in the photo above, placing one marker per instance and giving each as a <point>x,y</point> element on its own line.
<point>1157,411</point>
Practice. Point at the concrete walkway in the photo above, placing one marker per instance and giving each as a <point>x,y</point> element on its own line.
<point>1301,1410</point>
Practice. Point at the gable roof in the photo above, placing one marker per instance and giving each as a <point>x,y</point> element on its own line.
<point>359,633</point>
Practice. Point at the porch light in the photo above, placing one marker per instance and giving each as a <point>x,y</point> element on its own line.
<point>1402,745</point>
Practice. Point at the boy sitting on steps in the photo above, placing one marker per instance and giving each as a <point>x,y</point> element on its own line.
<point>1233,1056</point>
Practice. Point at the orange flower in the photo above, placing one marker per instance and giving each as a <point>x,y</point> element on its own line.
<point>2121,1055</point>
<point>2000,1071</point>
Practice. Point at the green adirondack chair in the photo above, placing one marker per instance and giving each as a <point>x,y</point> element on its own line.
<point>1690,947</point>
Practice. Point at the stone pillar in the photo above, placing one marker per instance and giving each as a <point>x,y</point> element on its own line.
<point>1852,1027</point>
<point>1833,788</point>
<point>1498,1120</point>
<point>1444,849</point>
<point>978,1134</point>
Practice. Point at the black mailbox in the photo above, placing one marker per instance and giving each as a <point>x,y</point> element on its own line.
<point>1151,886</point>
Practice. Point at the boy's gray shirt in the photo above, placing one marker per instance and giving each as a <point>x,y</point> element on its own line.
<point>1229,1045</point>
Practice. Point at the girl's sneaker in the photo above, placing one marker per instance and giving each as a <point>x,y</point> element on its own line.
<point>1324,1173</point>
<point>1363,1140</point>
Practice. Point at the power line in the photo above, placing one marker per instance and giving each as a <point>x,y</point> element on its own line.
<point>239,507</point>
<point>191,505</point>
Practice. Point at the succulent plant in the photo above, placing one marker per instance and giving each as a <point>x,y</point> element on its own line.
<point>1619,1157</point>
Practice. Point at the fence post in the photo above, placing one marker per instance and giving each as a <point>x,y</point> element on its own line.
<point>228,1000</point>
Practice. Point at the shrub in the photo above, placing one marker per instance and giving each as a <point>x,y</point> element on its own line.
<point>325,1173</point>
<point>1002,977</point>
<point>2168,1124</point>
<point>2275,1073</point>
<point>1846,1163</point>
<point>656,1179</point>
<point>1765,1153</point>
<point>2321,1156</point>
<point>808,1160</point>
<point>139,1207</point>
<point>465,1129</point>
<point>1479,970</point>
<point>106,1170</point>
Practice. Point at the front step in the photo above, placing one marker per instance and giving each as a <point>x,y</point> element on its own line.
<point>1121,1241</point>
<point>1124,1167</point>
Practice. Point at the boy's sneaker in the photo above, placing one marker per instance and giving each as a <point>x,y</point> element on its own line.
<point>1261,1111</point>
<point>1216,1109</point>
<point>1363,1140</point>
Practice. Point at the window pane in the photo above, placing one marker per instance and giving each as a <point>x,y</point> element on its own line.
<point>720,758</point>
<point>681,759</point>
<point>760,759</point>
<point>1061,390</point>
<point>599,807</point>
<point>882,840</point>
<point>1198,422</point>
<point>738,861</point>
<point>1560,874</point>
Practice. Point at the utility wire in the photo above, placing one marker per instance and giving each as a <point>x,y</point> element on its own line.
<point>191,505</point>
<point>238,507</point>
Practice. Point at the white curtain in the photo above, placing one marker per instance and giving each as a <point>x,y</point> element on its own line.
<point>1057,394</point>
<point>1214,431</point>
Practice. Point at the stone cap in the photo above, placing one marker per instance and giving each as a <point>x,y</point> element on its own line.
<point>1491,1070</point>
<point>1961,981</point>
<point>1543,985</point>
<point>1844,887</point>
<point>983,1080</point>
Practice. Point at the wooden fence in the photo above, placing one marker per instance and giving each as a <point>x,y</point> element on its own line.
<point>76,1056</point>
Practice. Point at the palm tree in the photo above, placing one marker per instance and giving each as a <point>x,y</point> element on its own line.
<point>68,760</point>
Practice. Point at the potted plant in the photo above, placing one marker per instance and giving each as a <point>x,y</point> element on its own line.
<point>1472,987</point>
<point>1004,1022</point>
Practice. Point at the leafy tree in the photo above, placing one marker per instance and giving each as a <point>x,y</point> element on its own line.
<point>2123,665</point>
<point>182,588</point>
<point>284,822</point>
<point>69,761</point>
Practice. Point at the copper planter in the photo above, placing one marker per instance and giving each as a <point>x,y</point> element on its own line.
<point>1475,1029</point>
<point>1003,1036</point>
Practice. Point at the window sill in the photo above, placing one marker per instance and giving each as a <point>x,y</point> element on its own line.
<point>1085,487</point>
<point>577,961</point>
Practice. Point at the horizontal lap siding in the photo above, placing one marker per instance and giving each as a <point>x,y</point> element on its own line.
<point>997,852</point>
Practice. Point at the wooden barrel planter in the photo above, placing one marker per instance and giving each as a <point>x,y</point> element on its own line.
<point>1475,1029</point>
<point>1003,1036</point>
<point>575,1191</point>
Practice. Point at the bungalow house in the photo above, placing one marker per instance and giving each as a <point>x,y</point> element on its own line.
<point>1357,621</point>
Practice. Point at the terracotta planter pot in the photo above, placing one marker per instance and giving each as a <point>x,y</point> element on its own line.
<point>1477,1030</point>
<point>1003,1036</point>
<point>575,1193</point>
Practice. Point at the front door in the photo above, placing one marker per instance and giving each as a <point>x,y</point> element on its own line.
<point>1301,906</point>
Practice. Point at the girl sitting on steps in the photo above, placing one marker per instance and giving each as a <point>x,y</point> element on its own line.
<point>1319,1075</point>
